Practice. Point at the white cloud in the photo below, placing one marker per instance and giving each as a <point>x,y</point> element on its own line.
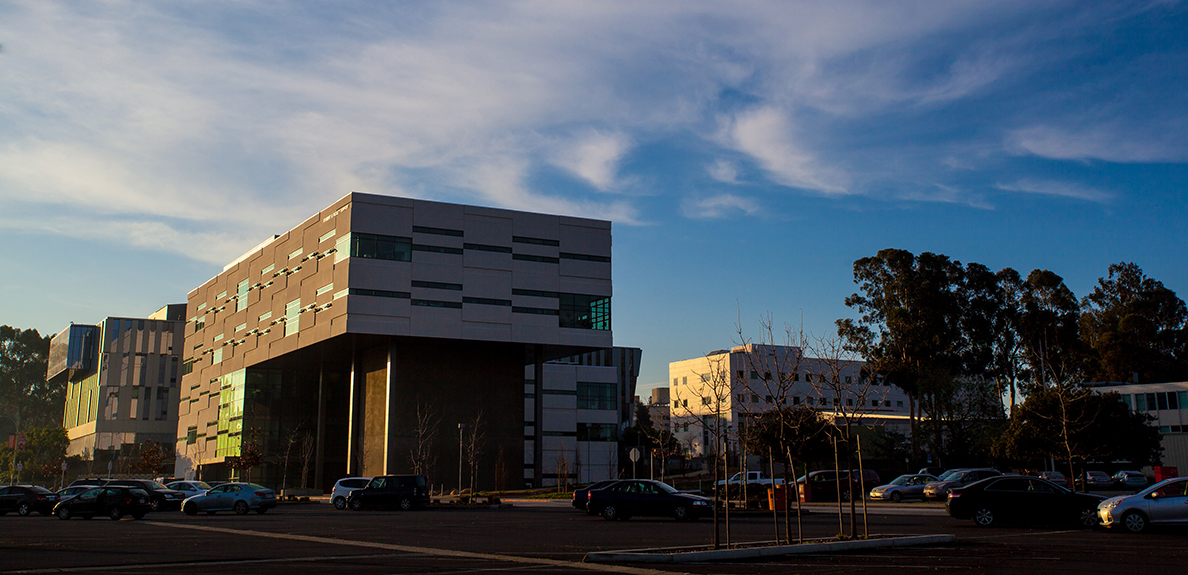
<point>723,171</point>
<point>1056,188</point>
<point>768,135</point>
<point>594,157</point>
<point>947,195</point>
<point>1103,141</point>
<point>719,206</point>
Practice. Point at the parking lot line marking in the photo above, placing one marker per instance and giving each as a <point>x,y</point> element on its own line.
<point>412,549</point>
<point>211,563</point>
<point>1028,534</point>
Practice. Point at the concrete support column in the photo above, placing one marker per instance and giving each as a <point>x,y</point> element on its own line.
<point>538,417</point>
<point>321,427</point>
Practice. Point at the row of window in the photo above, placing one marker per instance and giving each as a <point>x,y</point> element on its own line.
<point>1156,401</point>
<point>399,248</point>
<point>796,400</point>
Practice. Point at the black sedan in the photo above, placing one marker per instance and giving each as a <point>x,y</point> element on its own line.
<point>25,499</point>
<point>114,502</point>
<point>582,496</point>
<point>160,497</point>
<point>1023,500</point>
<point>402,492</point>
<point>623,499</point>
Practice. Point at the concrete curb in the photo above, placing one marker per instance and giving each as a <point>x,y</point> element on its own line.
<point>658,556</point>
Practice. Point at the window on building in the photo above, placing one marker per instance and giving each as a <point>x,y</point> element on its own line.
<point>595,395</point>
<point>380,247</point>
<point>897,403</point>
<point>192,435</point>
<point>705,401</point>
<point>216,356</point>
<point>585,311</point>
<point>674,382</point>
<point>755,398</point>
<point>849,401</point>
<point>241,295</point>
<point>742,398</point>
<point>597,432</point>
<point>292,317</point>
<point>768,399</point>
<point>795,400</point>
<point>1140,402</point>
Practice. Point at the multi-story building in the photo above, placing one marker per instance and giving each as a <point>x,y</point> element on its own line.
<point>1168,404</point>
<point>121,379</point>
<point>659,410</point>
<point>343,327</point>
<point>714,396</point>
<point>585,404</point>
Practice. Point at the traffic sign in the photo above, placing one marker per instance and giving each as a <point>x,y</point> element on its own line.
<point>633,455</point>
<point>20,442</point>
<point>63,466</point>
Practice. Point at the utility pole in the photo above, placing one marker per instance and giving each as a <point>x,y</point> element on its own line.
<point>461,426</point>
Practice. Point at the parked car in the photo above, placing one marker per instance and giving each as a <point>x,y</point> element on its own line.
<point>751,478</point>
<point>160,497</point>
<point>622,500</point>
<point>1095,480</point>
<point>400,491</point>
<point>1056,477</point>
<point>112,501</point>
<point>1130,480</point>
<point>937,471</point>
<point>68,492</point>
<point>89,482</point>
<point>1165,502</point>
<point>26,499</point>
<point>909,486</point>
<point>825,485</point>
<point>189,488</point>
<point>955,478</point>
<point>582,496</point>
<point>237,497</point>
<point>343,487</point>
<point>1015,498</point>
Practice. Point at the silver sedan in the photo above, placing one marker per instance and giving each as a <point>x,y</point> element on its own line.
<point>1165,503</point>
<point>910,486</point>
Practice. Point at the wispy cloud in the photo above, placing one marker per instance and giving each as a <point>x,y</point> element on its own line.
<point>719,206</point>
<point>947,195</point>
<point>594,157</point>
<point>723,171</point>
<point>1058,188</point>
<point>767,134</point>
<point>1105,141</point>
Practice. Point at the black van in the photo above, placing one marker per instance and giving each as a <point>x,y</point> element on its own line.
<point>400,491</point>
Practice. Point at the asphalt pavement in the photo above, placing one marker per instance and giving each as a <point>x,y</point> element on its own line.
<point>543,537</point>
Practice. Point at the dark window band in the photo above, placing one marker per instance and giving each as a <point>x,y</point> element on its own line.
<point>586,258</point>
<point>437,231</point>
<point>486,301</point>
<point>534,310</point>
<point>486,248</point>
<point>379,293</point>
<point>536,293</point>
<point>436,249</point>
<point>436,285</point>
<point>531,258</point>
<point>535,241</point>
<point>434,303</point>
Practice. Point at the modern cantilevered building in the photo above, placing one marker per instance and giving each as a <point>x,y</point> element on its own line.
<point>121,379</point>
<point>343,327</point>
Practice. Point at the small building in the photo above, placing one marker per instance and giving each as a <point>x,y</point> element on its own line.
<point>726,388</point>
<point>121,377</point>
<point>1168,404</point>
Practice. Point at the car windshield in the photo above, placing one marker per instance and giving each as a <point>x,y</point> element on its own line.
<point>154,485</point>
<point>901,480</point>
<point>948,474</point>
<point>200,484</point>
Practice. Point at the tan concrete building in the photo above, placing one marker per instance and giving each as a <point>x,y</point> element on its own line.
<point>1168,404</point>
<point>342,327</point>
<point>121,377</point>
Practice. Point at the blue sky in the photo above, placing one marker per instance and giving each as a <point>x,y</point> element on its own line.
<point>747,153</point>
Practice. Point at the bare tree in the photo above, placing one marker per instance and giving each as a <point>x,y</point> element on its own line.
<point>706,404</point>
<point>475,441</point>
<point>291,438</point>
<point>308,448</point>
<point>423,456</point>
<point>562,463</point>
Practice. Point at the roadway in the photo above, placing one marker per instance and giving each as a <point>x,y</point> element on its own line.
<point>541,537</point>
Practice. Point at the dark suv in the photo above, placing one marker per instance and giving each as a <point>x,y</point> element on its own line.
<point>824,485</point>
<point>400,491</point>
<point>160,497</point>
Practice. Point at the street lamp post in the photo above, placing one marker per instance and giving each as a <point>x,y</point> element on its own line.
<point>461,426</point>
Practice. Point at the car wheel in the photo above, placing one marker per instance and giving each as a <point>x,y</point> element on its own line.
<point>680,513</point>
<point>1134,522</point>
<point>1089,517</point>
<point>405,504</point>
<point>896,497</point>
<point>845,495</point>
<point>116,514</point>
<point>190,509</point>
<point>610,513</point>
<point>138,515</point>
<point>241,507</point>
<point>983,517</point>
<point>356,504</point>
<point>24,509</point>
<point>156,504</point>
<point>63,513</point>
<point>340,502</point>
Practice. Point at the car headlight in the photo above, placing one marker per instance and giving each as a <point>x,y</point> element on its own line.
<point>701,503</point>
<point>1112,504</point>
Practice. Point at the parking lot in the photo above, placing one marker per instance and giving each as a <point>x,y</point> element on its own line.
<point>538,537</point>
